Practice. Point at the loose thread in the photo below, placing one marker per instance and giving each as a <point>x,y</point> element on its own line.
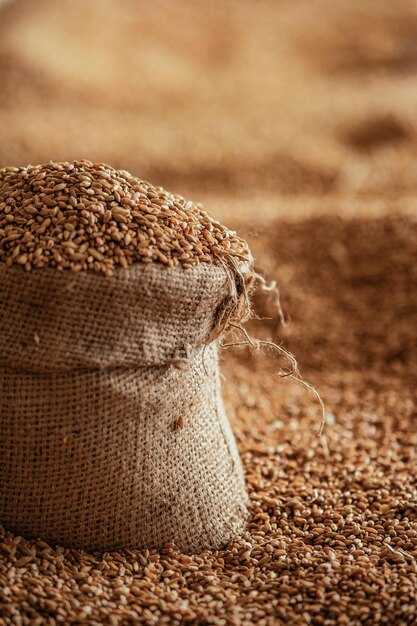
<point>237,308</point>
<point>292,373</point>
<point>272,287</point>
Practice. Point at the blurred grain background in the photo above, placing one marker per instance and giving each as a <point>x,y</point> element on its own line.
<point>269,107</point>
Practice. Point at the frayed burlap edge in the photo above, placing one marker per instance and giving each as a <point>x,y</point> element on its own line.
<point>237,308</point>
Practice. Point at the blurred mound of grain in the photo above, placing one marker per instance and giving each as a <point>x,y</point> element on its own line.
<point>230,99</point>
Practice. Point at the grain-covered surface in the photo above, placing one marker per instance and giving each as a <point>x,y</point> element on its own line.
<point>295,123</point>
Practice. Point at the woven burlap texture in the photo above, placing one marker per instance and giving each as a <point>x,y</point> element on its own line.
<point>97,376</point>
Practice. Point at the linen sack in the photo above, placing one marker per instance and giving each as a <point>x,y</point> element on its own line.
<point>112,427</point>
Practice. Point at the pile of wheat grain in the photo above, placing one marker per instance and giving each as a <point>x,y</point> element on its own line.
<point>89,216</point>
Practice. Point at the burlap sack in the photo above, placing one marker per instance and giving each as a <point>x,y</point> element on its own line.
<point>112,426</point>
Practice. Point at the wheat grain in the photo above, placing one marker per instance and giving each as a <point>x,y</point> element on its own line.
<point>89,216</point>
